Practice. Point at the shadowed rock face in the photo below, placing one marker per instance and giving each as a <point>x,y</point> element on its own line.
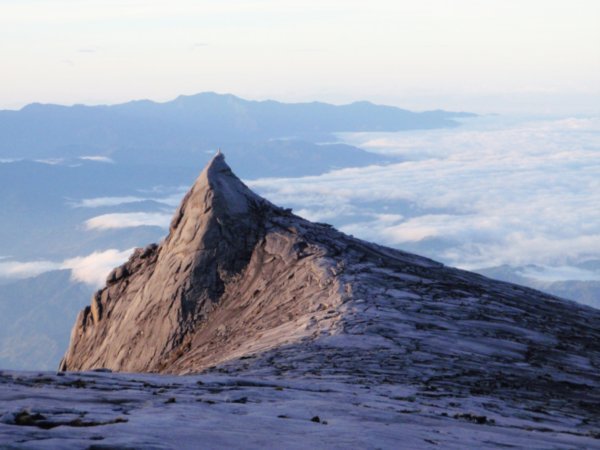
<point>254,289</point>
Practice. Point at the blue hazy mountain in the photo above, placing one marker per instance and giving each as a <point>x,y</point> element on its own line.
<point>582,291</point>
<point>36,316</point>
<point>35,192</point>
<point>39,216</point>
<point>161,144</point>
<point>191,125</point>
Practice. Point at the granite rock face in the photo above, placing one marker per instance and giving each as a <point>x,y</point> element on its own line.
<point>244,287</point>
<point>236,274</point>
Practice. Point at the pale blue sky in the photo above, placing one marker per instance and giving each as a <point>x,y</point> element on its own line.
<point>482,55</point>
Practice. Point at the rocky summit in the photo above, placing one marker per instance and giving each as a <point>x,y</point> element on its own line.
<point>243,287</point>
<point>235,276</point>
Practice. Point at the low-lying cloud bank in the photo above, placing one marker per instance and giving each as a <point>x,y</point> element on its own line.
<point>96,158</point>
<point>171,200</point>
<point>482,196</point>
<point>17,269</point>
<point>91,269</point>
<point>100,202</point>
<point>94,268</point>
<point>128,220</point>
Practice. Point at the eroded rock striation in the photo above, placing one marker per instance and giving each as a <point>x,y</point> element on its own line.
<point>247,287</point>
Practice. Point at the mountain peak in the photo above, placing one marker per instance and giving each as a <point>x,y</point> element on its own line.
<point>244,286</point>
<point>229,190</point>
<point>167,289</point>
<point>217,172</point>
<point>217,192</point>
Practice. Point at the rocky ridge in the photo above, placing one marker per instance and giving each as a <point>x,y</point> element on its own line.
<point>243,287</point>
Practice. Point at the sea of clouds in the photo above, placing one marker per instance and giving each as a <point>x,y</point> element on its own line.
<point>488,193</point>
<point>494,191</point>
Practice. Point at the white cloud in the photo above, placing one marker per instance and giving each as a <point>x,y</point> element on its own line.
<point>128,220</point>
<point>103,159</point>
<point>16,269</point>
<point>417,229</point>
<point>492,192</point>
<point>171,197</point>
<point>50,161</point>
<point>93,269</point>
<point>318,213</point>
<point>99,202</point>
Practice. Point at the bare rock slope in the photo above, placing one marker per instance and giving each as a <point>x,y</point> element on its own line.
<point>235,275</point>
<point>243,286</point>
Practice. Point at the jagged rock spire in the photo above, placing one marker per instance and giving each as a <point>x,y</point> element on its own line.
<point>170,289</point>
<point>217,191</point>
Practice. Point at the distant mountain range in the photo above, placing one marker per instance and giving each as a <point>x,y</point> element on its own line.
<point>583,291</point>
<point>35,317</point>
<point>188,126</point>
<point>53,156</point>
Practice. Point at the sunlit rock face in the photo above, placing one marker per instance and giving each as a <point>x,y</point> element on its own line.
<point>235,275</point>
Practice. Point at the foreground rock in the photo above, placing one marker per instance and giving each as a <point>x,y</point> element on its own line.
<point>243,287</point>
<point>145,411</point>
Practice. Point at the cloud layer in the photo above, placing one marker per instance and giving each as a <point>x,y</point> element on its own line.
<point>16,269</point>
<point>95,158</point>
<point>128,220</point>
<point>94,268</point>
<point>487,194</point>
<point>169,197</point>
<point>91,269</point>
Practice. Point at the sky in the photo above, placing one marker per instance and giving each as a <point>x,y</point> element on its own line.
<point>518,56</point>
